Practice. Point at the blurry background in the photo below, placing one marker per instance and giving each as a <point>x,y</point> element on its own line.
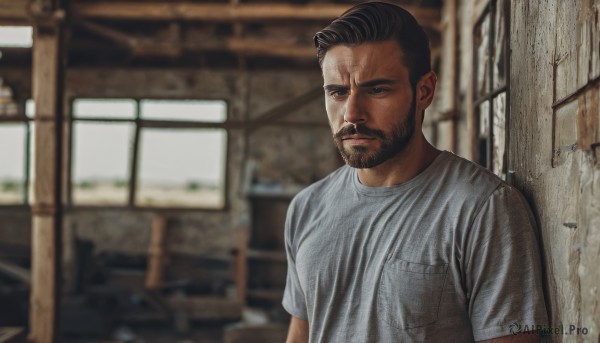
<point>149,151</point>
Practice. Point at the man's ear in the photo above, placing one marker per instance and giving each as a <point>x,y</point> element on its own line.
<point>426,90</point>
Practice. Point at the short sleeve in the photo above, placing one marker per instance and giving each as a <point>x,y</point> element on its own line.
<point>294,301</point>
<point>503,267</point>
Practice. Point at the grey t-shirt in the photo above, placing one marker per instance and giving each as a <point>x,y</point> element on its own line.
<point>448,256</point>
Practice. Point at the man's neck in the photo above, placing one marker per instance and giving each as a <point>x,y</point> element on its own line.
<point>402,167</point>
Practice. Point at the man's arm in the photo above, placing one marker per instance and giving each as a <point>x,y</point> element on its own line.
<point>522,338</point>
<point>298,332</point>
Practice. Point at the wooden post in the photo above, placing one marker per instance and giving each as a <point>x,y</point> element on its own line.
<point>241,263</point>
<point>47,182</point>
<point>157,255</point>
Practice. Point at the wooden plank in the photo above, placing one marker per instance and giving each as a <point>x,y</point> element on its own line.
<point>157,256</point>
<point>595,39</point>
<point>12,334</point>
<point>44,169</point>
<point>227,12</point>
<point>565,80</point>
<point>565,133</point>
<point>588,119</point>
<point>16,271</point>
<point>240,265</point>
<point>256,47</point>
<point>266,294</point>
<point>583,43</point>
<point>47,93</point>
<point>13,10</point>
<point>268,333</point>
<point>286,108</point>
<point>44,306</point>
<point>266,255</point>
<point>448,82</point>
<point>243,46</point>
<point>206,308</point>
<point>479,8</point>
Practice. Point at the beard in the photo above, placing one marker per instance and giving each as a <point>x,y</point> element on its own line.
<point>391,144</point>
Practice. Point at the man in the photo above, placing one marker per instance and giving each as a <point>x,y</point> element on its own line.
<point>406,243</point>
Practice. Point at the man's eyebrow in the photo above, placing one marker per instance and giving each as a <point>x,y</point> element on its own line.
<point>366,84</point>
<point>334,87</point>
<point>376,82</point>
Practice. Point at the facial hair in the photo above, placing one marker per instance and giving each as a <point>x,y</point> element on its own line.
<point>391,144</point>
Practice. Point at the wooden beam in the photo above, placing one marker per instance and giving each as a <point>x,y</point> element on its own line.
<point>285,109</point>
<point>157,256</point>
<point>18,10</point>
<point>14,11</point>
<point>243,46</point>
<point>206,307</point>
<point>46,201</point>
<point>245,333</point>
<point>240,265</point>
<point>12,334</point>
<point>250,47</point>
<point>16,271</point>
<point>186,11</point>
<point>206,11</point>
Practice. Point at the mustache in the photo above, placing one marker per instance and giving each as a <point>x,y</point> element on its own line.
<point>358,129</point>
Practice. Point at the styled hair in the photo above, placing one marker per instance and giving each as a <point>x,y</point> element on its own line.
<point>375,22</point>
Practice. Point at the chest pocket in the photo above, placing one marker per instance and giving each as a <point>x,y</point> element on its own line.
<point>410,293</point>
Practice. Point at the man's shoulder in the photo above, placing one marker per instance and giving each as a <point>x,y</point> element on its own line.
<point>325,186</point>
<point>467,183</point>
<point>469,176</point>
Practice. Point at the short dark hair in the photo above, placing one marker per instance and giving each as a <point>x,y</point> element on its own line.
<point>379,21</point>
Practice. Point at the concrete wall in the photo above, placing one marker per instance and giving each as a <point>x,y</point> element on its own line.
<point>287,154</point>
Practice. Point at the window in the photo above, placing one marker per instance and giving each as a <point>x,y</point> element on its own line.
<point>148,153</point>
<point>16,36</point>
<point>13,157</point>
<point>15,128</point>
<point>490,85</point>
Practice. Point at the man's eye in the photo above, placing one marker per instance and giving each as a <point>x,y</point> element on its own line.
<point>377,90</point>
<point>336,93</point>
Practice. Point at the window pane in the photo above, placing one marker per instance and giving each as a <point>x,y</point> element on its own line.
<point>16,36</point>
<point>193,110</point>
<point>500,46</point>
<point>104,108</point>
<point>483,115</point>
<point>30,108</point>
<point>481,39</point>
<point>12,163</point>
<point>182,168</point>
<point>499,132</point>
<point>101,154</point>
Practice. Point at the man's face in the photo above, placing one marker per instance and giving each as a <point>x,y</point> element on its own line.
<point>370,102</point>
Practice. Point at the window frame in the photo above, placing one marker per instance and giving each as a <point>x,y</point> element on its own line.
<point>21,117</point>
<point>491,93</point>
<point>134,159</point>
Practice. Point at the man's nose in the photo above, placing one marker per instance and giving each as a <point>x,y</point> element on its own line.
<point>354,112</point>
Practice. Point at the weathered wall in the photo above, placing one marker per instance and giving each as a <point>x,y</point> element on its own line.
<point>554,149</point>
<point>287,154</point>
<point>554,146</point>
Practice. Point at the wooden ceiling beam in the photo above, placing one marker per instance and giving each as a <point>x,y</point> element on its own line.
<point>187,11</point>
<point>149,46</point>
<point>14,11</point>
<point>18,11</point>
